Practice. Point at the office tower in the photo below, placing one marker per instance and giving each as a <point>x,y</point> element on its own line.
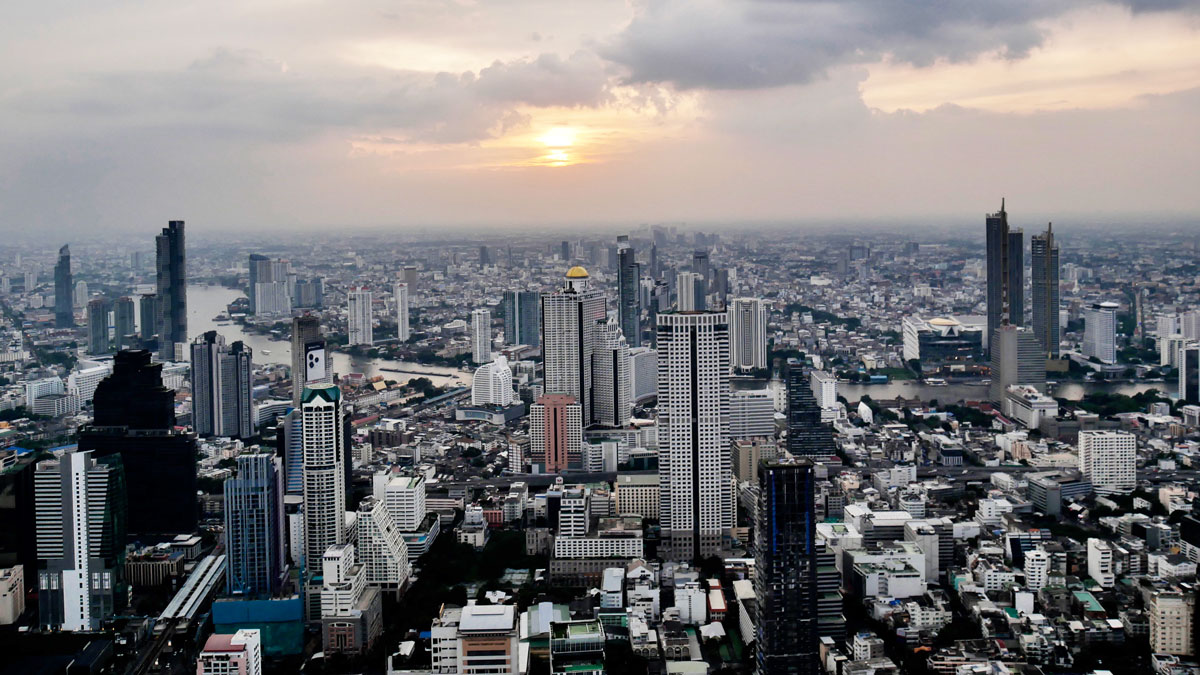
<point>522,317</point>
<point>1100,332</point>
<point>1108,459</point>
<point>654,261</point>
<point>1188,379</point>
<point>409,276</point>
<point>404,496</point>
<point>134,416</point>
<point>124,323</point>
<point>290,445</point>
<point>358,317</point>
<point>80,514</point>
<point>807,434</point>
<point>324,441</point>
<point>747,334</point>
<point>148,315</point>
<point>565,251</point>
<point>643,373</point>
<point>1017,358</point>
<point>309,360</point>
<point>492,384</point>
<point>701,266</point>
<point>236,654</point>
<point>18,537</point>
<point>308,293</point>
<point>689,292</point>
<point>351,610</point>
<point>481,335</point>
<point>785,564</point>
<point>569,319</point>
<point>629,304</point>
<point>403,328</point>
<point>255,548</point>
<point>696,503</point>
<point>485,256</point>
<point>751,414</point>
<point>611,377</point>
<point>380,547</point>
<point>97,317</point>
<point>1005,273</point>
<point>64,302</point>
<point>270,289</point>
<point>1044,254</point>
<point>556,433</point>
<point>824,389</point>
<point>222,383</point>
<point>260,266</point>
<point>172,289</point>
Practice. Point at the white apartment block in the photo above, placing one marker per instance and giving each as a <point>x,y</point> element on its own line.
<point>1109,460</point>
<point>381,549</point>
<point>481,336</point>
<point>747,334</point>
<point>359,329</point>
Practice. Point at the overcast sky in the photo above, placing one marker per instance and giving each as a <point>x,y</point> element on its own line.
<point>269,114</point>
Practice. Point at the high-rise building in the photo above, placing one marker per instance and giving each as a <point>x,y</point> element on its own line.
<point>1044,255</point>
<point>1172,614</point>
<point>643,373</point>
<point>1005,273</point>
<point>492,384</point>
<point>149,316</point>
<point>702,266</point>
<point>308,293</point>
<point>125,331</point>
<point>403,326</point>
<point>565,251</point>
<point>309,362</point>
<point>172,289</point>
<point>1108,459</point>
<point>747,334</point>
<point>556,433</point>
<point>324,482</point>
<point>351,610</point>
<point>359,329</point>
<point>410,276</point>
<point>785,564</point>
<point>81,293</point>
<point>222,384</point>
<point>1188,366</point>
<point>80,514</point>
<point>612,372</point>
<point>629,304</point>
<point>481,335</point>
<point>236,654</point>
<point>522,317</point>
<point>134,417</point>
<point>260,266</point>
<point>290,445</point>
<point>255,546</point>
<point>807,434</point>
<point>271,287</point>
<point>570,317</point>
<point>485,256</point>
<point>690,292</point>
<point>64,289</point>
<point>1100,332</point>
<point>97,318</point>
<point>404,496</point>
<point>1017,358</point>
<point>696,501</point>
<point>380,547</point>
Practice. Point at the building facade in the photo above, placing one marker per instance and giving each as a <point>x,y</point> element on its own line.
<point>1044,255</point>
<point>222,384</point>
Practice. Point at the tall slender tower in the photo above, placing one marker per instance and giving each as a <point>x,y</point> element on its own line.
<point>255,547</point>
<point>97,318</point>
<point>324,483</point>
<point>522,317</point>
<point>222,380</point>
<point>807,435</point>
<point>611,377</point>
<point>64,289</point>
<point>309,365</point>
<point>359,329</point>
<point>400,293</point>
<point>481,335</point>
<point>569,320</point>
<point>123,321</point>
<point>748,334</point>
<point>172,289</point>
<point>1005,273</point>
<point>694,470</point>
<point>1044,254</point>
<point>628,301</point>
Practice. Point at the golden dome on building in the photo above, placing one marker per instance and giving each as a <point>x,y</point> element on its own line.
<point>577,272</point>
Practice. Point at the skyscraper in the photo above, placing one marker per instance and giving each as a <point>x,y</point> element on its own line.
<point>123,320</point>
<point>359,329</point>
<point>172,289</point>
<point>380,547</point>
<point>522,317</point>
<point>64,290</point>
<point>785,564</point>
<point>748,334</point>
<point>492,384</point>
<point>260,266</point>
<point>255,547</point>
<point>690,292</point>
<point>807,435</point>
<point>324,483</point>
<point>134,417</point>
<point>1044,254</point>
<point>1188,364</point>
<point>222,380</point>
<point>611,378</point>
<point>1005,273</point>
<point>628,303</point>
<point>309,363</point>
<point>1100,331</point>
<point>271,287</point>
<point>403,329</point>
<point>410,275</point>
<point>1108,459</point>
<point>97,318</point>
<point>555,433</point>
<point>1017,358</point>
<point>569,320</point>
<point>701,266</point>
<point>696,503</point>
<point>481,335</point>
<point>149,313</point>
<point>80,504</point>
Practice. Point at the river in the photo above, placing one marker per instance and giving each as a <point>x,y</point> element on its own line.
<point>206,302</point>
<point>965,392</point>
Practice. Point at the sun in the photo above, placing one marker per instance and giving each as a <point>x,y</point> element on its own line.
<point>558,137</point>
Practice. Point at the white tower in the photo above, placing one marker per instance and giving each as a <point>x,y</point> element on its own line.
<point>569,320</point>
<point>402,324</point>
<point>481,336</point>
<point>324,455</point>
<point>611,377</point>
<point>748,334</point>
<point>493,383</point>
<point>1109,460</point>
<point>358,317</point>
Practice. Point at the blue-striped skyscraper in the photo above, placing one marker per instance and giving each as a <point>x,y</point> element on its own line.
<point>254,541</point>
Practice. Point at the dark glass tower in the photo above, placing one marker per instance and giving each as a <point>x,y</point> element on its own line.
<point>522,318</point>
<point>222,380</point>
<point>254,540</point>
<point>64,291</point>
<point>785,560</point>
<point>1044,253</point>
<point>807,435</point>
<point>172,289</point>
<point>123,319</point>
<point>259,264</point>
<point>701,266</point>
<point>1005,273</point>
<point>628,302</point>
<point>135,418</point>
